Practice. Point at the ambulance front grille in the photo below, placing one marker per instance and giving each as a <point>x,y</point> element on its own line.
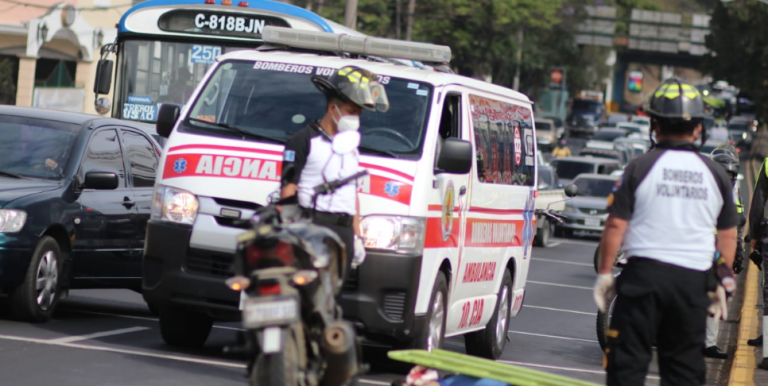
<point>394,305</point>
<point>210,263</point>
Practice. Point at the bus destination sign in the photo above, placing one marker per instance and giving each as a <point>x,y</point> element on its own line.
<point>218,23</point>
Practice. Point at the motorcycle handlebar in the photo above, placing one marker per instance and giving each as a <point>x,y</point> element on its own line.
<point>551,215</point>
<point>330,187</point>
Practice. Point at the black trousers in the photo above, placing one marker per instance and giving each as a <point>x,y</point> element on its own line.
<point>347,236</point>
<point>663,305</point>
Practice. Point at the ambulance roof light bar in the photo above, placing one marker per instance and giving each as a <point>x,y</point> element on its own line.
<point>361,45</point>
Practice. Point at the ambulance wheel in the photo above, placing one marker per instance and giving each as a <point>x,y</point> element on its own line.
<point>489,342</point>
<point>543,234</point>
<point>183,328</point>
<point>434,334</point>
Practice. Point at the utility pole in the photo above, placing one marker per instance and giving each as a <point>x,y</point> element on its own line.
<point>519,56</point>
<point>409,25</point>
<point>350,15</point>
<point>398,17</point>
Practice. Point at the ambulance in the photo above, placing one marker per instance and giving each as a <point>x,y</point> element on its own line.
<point>448,207</point>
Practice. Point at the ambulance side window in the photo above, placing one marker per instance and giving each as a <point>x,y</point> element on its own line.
<point>450,121</point>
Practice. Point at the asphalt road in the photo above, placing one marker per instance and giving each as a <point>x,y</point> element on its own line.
<point>109,337</point>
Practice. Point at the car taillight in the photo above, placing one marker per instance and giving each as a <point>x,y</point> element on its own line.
<point>269,289</point>
<point>259,255</point>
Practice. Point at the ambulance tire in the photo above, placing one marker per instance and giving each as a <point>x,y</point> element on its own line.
<point>543,234</point>
<point>489,342</point>
<point>438,309</point>
<point>180,327</point>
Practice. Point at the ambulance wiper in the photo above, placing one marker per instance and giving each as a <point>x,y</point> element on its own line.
<point>366,149</point>
<point>237,130</point>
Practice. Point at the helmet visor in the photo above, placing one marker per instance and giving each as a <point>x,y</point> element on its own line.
<point>363,90</point>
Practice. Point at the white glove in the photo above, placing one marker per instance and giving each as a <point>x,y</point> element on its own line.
<point>719,307</point>
<point>359,256</point>
<point>603,288</point>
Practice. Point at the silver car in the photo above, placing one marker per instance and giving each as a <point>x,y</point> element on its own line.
<point>587,211</point>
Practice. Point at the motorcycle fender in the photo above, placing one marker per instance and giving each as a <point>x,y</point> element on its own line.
<point>271,339</point>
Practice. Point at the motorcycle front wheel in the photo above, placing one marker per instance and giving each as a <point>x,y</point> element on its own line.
<point>604,323</point>
<point>281,368</point>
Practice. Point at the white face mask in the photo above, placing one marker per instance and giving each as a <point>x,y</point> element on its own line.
<point>346,122</point>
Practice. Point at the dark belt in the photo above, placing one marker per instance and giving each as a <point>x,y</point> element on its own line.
<point>328,218</point>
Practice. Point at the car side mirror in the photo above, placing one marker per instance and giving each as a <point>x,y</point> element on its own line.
<point>166,119</point>
<point>101,180</point>
<point>103,77</point>
<point>571,190</point>
<point>455,157</point>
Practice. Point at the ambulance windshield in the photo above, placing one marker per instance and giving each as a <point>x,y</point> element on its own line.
<point>267,101</point>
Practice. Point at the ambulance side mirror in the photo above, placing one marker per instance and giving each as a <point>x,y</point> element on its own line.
<point>455,157</point>
<point>166,119</point>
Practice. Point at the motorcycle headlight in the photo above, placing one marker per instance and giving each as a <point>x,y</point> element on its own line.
<point>174,205</point>
<point>744,135</point>
<point>11,220</point>
<point>394,233</point>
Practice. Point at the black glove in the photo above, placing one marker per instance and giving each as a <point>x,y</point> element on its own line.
<point>757,257</point>
<point>738,263</point>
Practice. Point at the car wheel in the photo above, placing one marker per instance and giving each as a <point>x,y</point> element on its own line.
<point>183,328</point>
<point>434,335</point>
<point>36,298</point>
<point>489,342</point>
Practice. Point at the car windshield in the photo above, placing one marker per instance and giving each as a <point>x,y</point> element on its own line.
<point>594,187</point>
<point>540,125</point>
<point>37,148</point>
<point>709,146</point>
<point>545,178</point>
<point>265,101</point>
<point>586,105</point>
<point>570,169</point>
<point>740,126</point>
<point>609,135</point>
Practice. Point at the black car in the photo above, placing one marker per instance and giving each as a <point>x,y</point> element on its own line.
<point>75,197</point>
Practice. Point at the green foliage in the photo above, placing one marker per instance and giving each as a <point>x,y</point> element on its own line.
<point>739,49</point>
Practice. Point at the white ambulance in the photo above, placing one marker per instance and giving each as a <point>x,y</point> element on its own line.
<point>448,208</point>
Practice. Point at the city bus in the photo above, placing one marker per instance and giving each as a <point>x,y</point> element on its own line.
<point>163,48</point>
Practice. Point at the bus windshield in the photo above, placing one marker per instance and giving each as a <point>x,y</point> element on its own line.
<point>269,102</point>
<point>156,72</point>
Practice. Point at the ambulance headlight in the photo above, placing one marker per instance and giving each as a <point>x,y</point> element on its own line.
<point>174,205</point>
<point>394,233</point>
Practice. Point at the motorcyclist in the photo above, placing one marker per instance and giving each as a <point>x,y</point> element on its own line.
<point>561,149</point>
<point>311,156</point>
<point>725,155</point>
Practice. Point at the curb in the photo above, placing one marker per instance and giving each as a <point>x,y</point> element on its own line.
<point>743,366</point>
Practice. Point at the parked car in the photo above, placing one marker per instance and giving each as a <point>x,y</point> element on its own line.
<point>76,194</point>
<point>546,134</point>
<point>568,168</point>
<point>587,211</point>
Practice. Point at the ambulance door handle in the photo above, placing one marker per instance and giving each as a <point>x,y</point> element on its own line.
<point>463,190</point>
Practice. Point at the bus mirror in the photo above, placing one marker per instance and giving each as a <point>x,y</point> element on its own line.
<point>455,157</point>
<point>103,77</point>
<point>102,105</point>
<point>166,119</point>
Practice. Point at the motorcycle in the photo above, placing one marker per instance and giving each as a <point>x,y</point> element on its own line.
<point>604,318</point>
<point>289,272</point>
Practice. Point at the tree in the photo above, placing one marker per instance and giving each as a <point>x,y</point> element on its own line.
<point>738,44</point>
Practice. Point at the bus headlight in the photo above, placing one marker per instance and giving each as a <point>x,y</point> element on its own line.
<point>394,233</point>
<point>174,205</point>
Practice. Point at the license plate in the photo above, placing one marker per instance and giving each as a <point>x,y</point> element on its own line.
<point>258,312</point>
<point>592,221</point>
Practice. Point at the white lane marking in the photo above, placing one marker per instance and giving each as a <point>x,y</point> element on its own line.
<point>75,338</point>
<point>524,364</point>
<point>129,352</point>
<point>561,310</point>
<point>563,262</point>
<point>577,242</point>
<point>145,318</point>
<point>560,285</point>
<point>553,336</point>
<point>554,244</point>
<point>372,382</point>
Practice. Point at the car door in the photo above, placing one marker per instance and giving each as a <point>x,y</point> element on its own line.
<point>141,158</point>
<point>105,244</point>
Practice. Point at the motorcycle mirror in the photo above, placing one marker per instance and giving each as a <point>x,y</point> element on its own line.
<point>345,142</point>
<point>571,190</point>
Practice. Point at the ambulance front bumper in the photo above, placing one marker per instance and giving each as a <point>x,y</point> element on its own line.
<point>380,295</point>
